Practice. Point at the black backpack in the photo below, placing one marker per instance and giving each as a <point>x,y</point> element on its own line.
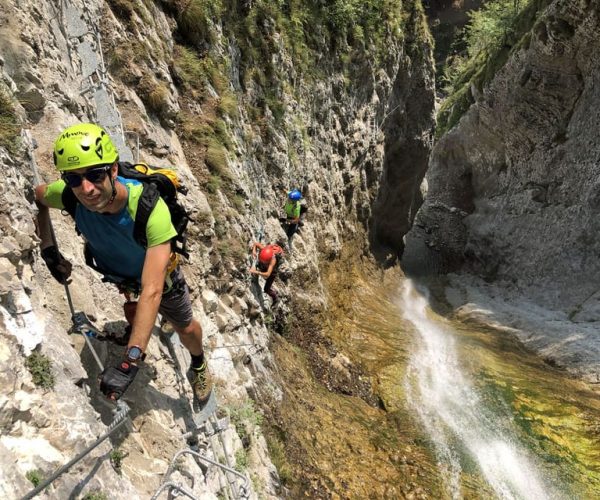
<point>158,182</point>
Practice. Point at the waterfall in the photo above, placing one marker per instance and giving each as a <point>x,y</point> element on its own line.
<point>454,414</point>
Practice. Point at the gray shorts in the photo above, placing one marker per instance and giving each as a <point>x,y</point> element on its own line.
<point>176,306</point>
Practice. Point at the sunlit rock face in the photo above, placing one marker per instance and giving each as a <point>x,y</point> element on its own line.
<point>513,192</point>
<point>346,142</point>
<point>408,141</point>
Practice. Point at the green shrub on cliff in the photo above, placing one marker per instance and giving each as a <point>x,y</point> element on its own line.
<point>154,94</point>
<point>270,52</point>
<point>195,23</point>
<point>490,26</point>
<point>40,367</point>
<point>245,414</point>
<point>190,69</point>
<point>125,9</point>
<point>490,36</point>
<point>318,37</point>
<point>95,495</point>
<point>35,476</point>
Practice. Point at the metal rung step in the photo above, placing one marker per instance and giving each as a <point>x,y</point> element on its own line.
<point>107,115</point>
<point>244,488</point>
<point>89,58</point>
<point>209,408</point>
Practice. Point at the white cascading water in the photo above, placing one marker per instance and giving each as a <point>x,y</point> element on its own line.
<point>455,417</point>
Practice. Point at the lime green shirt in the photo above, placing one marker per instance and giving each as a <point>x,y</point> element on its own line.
<point>110,236</point>
<point>292,209</point>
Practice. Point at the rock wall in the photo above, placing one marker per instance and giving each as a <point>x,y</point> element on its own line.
<point>512,190</point>
<point>349,158</point>
<point>408,140</point>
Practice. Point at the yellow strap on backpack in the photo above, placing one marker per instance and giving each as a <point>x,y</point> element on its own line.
<point>167,172</point>
<point>173,263</point>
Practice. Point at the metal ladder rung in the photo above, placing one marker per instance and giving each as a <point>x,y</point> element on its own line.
<point>244,488</point>
<point>89,58</point>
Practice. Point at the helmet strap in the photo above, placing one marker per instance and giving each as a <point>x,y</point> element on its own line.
<point>114,191</point>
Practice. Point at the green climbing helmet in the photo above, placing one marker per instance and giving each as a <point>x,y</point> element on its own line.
<point>83,145</point>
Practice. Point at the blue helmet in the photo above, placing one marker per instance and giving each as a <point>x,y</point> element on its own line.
<point>294,195</point>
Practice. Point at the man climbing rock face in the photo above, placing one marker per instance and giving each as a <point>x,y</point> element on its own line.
<point>269,260</point>
<point>295,209</point>
<point>105,210</point>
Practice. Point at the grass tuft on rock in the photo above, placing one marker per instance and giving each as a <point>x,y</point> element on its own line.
<point>40,367</point>
<point>35,476</point>
<point>9,128</point>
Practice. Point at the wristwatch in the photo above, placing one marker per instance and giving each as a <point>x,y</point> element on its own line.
<point>135,353</point>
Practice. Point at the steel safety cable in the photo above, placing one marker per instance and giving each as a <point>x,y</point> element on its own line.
<point>120,418</point>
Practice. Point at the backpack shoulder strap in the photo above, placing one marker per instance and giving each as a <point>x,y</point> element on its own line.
<point>126,169</point>
<point>69,201</point>
<point>146,204</point>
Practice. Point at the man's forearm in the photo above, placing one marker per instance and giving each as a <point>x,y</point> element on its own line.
<point>43,226</point>
<point>147,310</point>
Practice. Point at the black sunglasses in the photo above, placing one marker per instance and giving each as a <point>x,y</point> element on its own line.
<point>95,175</point>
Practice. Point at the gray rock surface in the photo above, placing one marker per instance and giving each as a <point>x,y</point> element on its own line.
<point>513,190</point>
<point>335,129</point>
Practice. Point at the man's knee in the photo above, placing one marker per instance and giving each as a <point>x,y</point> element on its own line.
<point>192,329</point>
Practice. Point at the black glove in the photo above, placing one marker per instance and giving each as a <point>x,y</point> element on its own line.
<point>59,267</point>
<point>115,380</point>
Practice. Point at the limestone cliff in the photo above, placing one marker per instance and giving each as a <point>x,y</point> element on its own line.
<point>512,192</point>
<point>246,99</point>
